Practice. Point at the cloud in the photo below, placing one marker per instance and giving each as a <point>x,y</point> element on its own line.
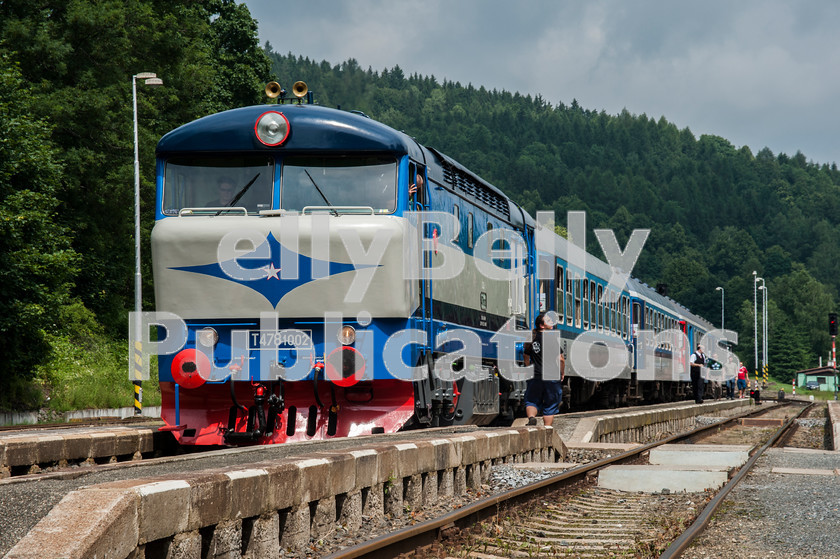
<point>758,72</point>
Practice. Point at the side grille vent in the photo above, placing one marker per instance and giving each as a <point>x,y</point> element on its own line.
<point>476,191</point>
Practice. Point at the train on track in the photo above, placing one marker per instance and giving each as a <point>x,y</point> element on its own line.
<point>337,278</point>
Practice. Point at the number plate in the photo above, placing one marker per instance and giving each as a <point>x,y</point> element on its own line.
<point>283,339</point>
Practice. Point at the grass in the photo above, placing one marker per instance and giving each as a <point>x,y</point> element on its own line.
<point>93,375</point>
<point>773,387</point>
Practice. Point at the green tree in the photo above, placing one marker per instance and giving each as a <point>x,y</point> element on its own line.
<point>37,264</point>
<point>81,55</point>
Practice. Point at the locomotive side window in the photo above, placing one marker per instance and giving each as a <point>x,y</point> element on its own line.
<point>339,182</point>
<point>470,230</point>
<point>218,182</point>
<point>456,211</point>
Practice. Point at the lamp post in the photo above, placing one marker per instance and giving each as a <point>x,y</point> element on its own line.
<point>755,318</point>
<point>762,325</point>
<point>722,324</point>
<point>149,79</point>
<point>764,292</point>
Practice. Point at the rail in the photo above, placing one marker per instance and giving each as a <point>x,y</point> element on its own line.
<point>419,535</point>
<point>684,540</point>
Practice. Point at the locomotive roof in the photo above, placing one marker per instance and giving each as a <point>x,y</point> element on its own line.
<point>233,130</point>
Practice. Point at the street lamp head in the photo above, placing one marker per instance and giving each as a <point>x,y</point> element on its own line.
<point>718,289</point>
<point>145,75</point>
<point>154,81</point>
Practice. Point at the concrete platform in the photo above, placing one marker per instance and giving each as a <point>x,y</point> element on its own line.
<point>28,449</point>
<point>730,456</point>
<point>291,500</point>
<point>655,478</point>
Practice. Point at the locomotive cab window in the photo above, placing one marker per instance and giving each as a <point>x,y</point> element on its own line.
<point>340,183</point>
<point>456,211</point>
<point>218,182</point>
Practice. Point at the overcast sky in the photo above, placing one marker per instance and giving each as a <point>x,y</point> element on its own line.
<point>762,73</point>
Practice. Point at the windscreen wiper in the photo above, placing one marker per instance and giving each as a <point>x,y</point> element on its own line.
<point>332,209</point>
<point>241,193</point>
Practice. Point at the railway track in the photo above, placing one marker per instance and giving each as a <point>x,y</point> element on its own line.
<point>569,515</point>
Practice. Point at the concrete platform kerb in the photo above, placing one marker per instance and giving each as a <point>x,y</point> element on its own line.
<point>297,496</point>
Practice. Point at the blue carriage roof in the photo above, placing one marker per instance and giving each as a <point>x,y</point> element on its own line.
<point>311,128</point>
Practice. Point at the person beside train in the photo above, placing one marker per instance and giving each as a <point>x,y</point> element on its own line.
<point>742,380</point>
<point>541,393</point>
<point>730,380</point>
<point>414,187</point>
<point>698,360</point>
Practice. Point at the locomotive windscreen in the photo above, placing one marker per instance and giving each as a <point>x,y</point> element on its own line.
<point>339,182</point>
<point>218,181</point>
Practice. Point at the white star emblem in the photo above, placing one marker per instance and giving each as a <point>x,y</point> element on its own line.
<point>271,271</point>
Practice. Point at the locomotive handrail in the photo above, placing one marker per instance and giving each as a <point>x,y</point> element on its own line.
<point>361,210</point>
<point>214,210</point>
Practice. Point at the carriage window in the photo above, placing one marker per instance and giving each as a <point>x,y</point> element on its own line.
<point>218,182</point>
<point>585,296</point>
<point>600,307</point>
<point>614,316</point>
<point>570,302</point>
<point>577,303</point>
<point>559,298</point>
<point>593,305</point>
<point>339,182</point>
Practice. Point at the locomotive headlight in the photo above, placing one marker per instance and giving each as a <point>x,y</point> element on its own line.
<point>272,128</point>
<point>207,337</point>
<point>347,335</point>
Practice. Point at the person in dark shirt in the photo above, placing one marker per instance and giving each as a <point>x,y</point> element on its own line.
<point>698,360</point>
<point>541,393</point>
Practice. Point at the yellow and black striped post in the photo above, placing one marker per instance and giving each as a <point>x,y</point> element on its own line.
<point>138,374</point>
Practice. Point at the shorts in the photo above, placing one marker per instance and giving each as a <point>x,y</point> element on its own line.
<point>544,394</point>
<point>742,383</point>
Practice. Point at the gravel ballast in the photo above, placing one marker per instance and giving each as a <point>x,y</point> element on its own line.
<point>778,515</point>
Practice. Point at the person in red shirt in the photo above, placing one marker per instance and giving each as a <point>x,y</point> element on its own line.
<point>742,380</point>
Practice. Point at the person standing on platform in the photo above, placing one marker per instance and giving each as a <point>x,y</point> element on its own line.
<point>698,359</point>
<point>542,393</point>
<point>742,380</point>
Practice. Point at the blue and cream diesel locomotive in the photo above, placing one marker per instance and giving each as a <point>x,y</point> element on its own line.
<point>287,238</point>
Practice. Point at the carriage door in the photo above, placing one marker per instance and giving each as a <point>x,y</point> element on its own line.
<point>545,285</point>
<point>635,327</point>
